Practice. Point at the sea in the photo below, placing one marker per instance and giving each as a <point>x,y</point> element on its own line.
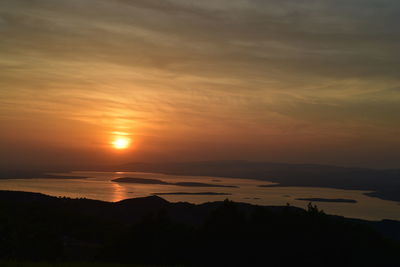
<point>100,186</point>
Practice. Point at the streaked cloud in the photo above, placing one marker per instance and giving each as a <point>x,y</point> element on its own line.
<point>248,72</point>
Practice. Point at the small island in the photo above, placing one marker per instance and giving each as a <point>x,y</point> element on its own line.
<point>336,200</point>
<point>160,182</point>
<point>269,185</point>
<point>195,184</point>
<point>139,181</point>
<point>193,193</point>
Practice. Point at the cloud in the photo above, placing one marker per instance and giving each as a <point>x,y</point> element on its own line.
<point>275,67</point>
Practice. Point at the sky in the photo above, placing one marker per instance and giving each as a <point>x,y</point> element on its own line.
<point>297,81</point>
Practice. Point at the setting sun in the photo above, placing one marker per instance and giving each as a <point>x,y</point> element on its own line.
<point>121,143</point>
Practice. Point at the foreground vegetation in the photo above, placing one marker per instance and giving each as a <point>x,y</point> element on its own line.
<point>34,227</point>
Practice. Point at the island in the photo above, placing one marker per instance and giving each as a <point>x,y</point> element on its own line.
<point>139,181</point>
<point>336,200</point>
<point>193,193</point>
<point>160,182</point>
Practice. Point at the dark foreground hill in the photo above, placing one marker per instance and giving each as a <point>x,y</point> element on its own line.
<point>36,227</point>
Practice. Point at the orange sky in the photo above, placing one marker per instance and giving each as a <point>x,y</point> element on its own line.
<point>283,81</point>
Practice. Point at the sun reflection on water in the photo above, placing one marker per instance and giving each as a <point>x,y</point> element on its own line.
<point>119,193</point>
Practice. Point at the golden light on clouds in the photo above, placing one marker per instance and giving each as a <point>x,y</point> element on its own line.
<point>178,82</point>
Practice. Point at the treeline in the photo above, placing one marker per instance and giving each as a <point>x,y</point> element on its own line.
<point>35,227</point>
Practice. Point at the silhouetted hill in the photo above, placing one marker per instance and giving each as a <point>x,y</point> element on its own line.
<point>152,230</point>
<point>384,183</point>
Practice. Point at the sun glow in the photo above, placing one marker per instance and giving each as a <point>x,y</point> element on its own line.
<point>121,142</point>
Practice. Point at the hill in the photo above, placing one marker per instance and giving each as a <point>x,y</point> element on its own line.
<point>151,230</point>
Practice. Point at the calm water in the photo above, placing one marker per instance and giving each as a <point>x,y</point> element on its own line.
<point>100,187</point>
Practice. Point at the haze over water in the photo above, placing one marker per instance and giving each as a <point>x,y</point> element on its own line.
<point>101,187</point>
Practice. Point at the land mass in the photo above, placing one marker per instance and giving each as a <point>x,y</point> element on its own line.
<point>337,200</point>
<point>193,193</point>
<point>31,174</point>
<point>160,182</point>
<point>153,231</point>
<point>132,180</point>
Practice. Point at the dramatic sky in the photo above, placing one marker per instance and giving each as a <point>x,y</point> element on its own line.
<point>284,81</point>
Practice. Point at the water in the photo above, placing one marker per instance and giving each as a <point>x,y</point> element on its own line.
<point>100,187</point>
